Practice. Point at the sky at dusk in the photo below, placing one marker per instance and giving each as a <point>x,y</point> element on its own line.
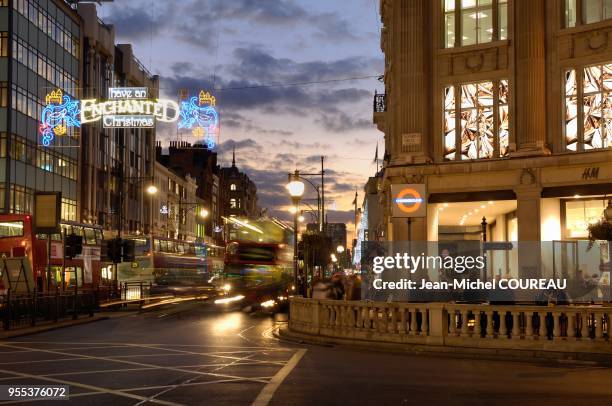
<point>217,44</point>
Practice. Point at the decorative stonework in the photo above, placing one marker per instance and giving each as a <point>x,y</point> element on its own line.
<point>585,44</point>
<point>486,58</point>
<point>527,177</point>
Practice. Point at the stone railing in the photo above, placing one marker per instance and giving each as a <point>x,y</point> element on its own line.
<point>556,328</point>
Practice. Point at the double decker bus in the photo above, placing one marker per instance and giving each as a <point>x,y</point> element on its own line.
<point>25,256</point>
<point>258,263</point>
<point>172,266</point>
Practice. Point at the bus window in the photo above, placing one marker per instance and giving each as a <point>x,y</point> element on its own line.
<point>191,248</point>
<point>171,247</point>
<point>180,248</point>
<point>69,276</point>
<point>66,229</point>
<point>90,236</point>
<point>157,245</point>
<point>106,274</point>
<point>11,229</point>
<point>164,246</point>
<point>78,230</point>
<point>99,236</point>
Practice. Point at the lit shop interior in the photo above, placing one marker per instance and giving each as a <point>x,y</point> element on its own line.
<point>563,228</point>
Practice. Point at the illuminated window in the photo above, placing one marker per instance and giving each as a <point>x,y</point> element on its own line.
<point>579,214</point>
<point>233,204</point>
<point>479,111</point>
<point>594,88</point>
<point>577,12</point>
<point>4,43</point>
<point>468,22</point>
<point>233,186</point>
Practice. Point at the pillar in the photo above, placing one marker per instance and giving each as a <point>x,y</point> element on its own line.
<point>530,74</point>
<point>408,81</point>
<point>528,219</point>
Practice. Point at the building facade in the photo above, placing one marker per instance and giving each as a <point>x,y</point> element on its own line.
<point>200,163</point>
<point>39,52</point>
<point>116,164</point>
<point>501,108</point>
<point>175,213</point>
<point>238,193</point>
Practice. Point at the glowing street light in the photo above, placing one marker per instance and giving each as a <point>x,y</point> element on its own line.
<point>301,218</point>
<point>152,189</point>
<point>295,188</point>
<point>204,213</point>
<point>340,249</point>
<point>293,209</point>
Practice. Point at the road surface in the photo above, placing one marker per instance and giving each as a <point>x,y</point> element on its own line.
<point>193,354</point>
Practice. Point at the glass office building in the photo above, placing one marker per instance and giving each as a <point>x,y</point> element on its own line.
<point>39,52</point>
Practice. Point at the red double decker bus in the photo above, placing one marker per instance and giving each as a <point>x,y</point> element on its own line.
<point>25,256</point>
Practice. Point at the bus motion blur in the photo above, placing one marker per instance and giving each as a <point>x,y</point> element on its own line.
<point>258,264</point>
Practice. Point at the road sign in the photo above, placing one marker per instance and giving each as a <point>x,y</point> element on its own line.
<point>408,200</point>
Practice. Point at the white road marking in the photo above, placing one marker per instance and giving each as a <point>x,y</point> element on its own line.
<point>150,345</point>
<point>133,363</point>
<point>90,387</point>
<point>266,394</point>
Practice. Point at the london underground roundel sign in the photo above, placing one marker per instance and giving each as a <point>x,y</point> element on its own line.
<point>409,200</point>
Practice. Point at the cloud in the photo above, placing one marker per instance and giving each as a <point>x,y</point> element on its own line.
<point>342,122</point>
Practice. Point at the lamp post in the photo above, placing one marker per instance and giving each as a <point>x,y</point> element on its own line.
<point>152,191</point>
<point>296,190</point>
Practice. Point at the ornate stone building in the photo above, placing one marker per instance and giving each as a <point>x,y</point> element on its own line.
<point>503,110</point>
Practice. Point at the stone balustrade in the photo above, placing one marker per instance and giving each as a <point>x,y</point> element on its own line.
<point>548,328</point>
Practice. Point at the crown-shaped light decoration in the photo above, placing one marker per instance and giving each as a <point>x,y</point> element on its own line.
<point>198,132</point>
<point>207,98</point>
<point>54,97</point>
<point>60,130</point>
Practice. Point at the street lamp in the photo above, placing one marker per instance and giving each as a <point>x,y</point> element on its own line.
<point>340,249</point>
<point>151,190</point>
<point>296,190</point>
<point>204,213</point>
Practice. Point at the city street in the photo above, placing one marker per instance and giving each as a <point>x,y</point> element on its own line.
<point>193,354</point>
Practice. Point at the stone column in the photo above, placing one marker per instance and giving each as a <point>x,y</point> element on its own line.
<point>528,219</point>
<point>408,81</point>
<point>530,77</point>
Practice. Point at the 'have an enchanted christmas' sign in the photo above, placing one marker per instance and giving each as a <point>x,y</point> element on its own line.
<point>129,107</point>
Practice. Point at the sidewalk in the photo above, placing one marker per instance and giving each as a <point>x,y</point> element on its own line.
<point>49,325</point>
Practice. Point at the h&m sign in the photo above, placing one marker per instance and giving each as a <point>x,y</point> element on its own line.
<point>590,173</point>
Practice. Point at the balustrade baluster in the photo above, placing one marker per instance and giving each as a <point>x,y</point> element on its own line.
<point>584,323</point>
<point>516,327</point>
<point>464,323</point>
<point>503,325</point>
<point>477,324</point>
<point>425,323</point>
<point>402,314</point>
<point>571,326</point>
<point>542,329</point>
<point>556,325</point>
<point>490,329</point>
<point>452,323</point>
<point>393,311</point>
<point>529,325</point>
<point>599,332</point>
<point>413,322</point>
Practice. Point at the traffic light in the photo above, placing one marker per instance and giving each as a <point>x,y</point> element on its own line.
<point>73,245</point>
<point>129,248</point>
<point>113,250</point>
